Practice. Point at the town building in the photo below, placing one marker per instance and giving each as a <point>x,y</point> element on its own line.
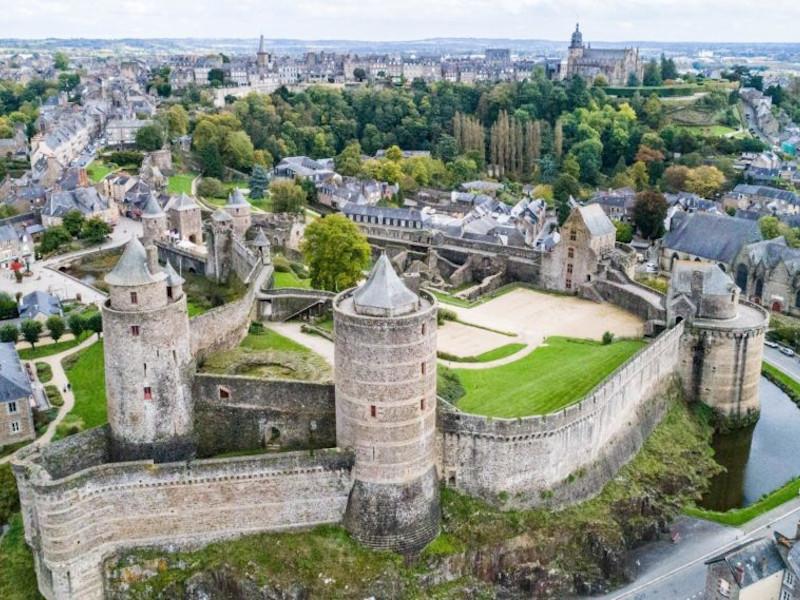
<point>16,398</point>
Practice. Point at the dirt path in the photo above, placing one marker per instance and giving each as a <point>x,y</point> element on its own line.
<point>59,380</point>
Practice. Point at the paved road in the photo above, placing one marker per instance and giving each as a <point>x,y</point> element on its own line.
<point>788,364</point>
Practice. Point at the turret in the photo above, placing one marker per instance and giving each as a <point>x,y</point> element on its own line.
<point>148,361</point>
<point>219,244</point>
<point>154,221</point>
<point>385,356</point>
<point>577,38</point>
<point>239,210</point>
<point>262,247</point>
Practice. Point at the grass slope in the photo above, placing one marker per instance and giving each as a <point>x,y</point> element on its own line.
<point>553,376</point>
<point>85,372</point>
<point>495,354</point>
<point>290,280</point>
<point>740,516</point>
<point>181,184</point>
<point>17,575</point>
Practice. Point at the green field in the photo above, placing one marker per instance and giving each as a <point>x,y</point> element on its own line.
<point>290,280</point>
<point>181,184</point>
<point>553,376</point>
<point>97,170</point>
<point>85,372</point>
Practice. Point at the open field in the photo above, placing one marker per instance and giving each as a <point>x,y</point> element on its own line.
<point>459,339</point>
<point>556,374</point>
<point>290,280</point>
<point>97,170</point>
<point>536,315</point>
<point>85,371</point>
<point>181,184</point>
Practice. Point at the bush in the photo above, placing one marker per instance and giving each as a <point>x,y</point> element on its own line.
<point>9,333</point>
<point>299,269</point>
<point>281,264</point>
<point>448,385</point>
<point>44,372</point>
<point>608,337</point>
<point>9,498</point>
<point>256,327</point>
<point>126,157</point>
<point>445,314</point>
<point>211,187</point>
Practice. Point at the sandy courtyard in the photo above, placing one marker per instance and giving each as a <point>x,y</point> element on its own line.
<point>533,316</point>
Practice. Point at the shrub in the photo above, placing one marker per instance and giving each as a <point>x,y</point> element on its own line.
<point>281,264</point>
<point>211,187</point>
<point>9,333</point>
<point>256,327</point>
<point>608,337</point>
<point>299,269</point>
<point>445,314</point>
<point>448,385</point>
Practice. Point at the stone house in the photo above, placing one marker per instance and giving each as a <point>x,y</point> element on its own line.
<point>587,236</point>
<point>16,396</point>
<point>768,273</point>
<point>762,199</point>
<point>755,570</point>
<point>39,306</point>
<point>617,204</point>
<point>86,200</point>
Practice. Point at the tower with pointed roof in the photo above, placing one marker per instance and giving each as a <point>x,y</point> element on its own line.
<point>154,221</point>
<point>262,56</point>
<point>184,217</point>
<point>148,360</point>
<point>239,210</point>
<point>386,409</point>
<point>219,246</point>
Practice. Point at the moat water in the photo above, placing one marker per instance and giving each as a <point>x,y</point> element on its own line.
<point>758,459</point>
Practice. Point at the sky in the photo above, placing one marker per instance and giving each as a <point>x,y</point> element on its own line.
<point>383,20</point>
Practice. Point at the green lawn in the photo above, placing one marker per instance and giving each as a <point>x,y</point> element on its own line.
<point>182,183</point>
<point>86,374</point>
<point>739,516</point>
<point>496,354</point>
<point>270,340</point>
<point>17,574</point>
<point>97,170</point>
<point>788,384</point>
<point>50,349</point>
<point>553,376</point>
<point>290,280</point>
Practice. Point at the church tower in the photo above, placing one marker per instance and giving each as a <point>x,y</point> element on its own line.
<point>386,410</point>
<point>148,360</point>
<point>262,56</point>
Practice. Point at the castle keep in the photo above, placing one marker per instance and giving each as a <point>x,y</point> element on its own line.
<point>370,450</point>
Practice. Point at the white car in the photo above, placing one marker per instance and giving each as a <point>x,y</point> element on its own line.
<point>786,351</point>
<point>651,267</point>
<point>769,344</point>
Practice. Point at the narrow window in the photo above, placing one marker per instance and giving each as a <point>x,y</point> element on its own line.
<point>569,284</point>
<point>422,366</point>
<point>423,329</point>
<point>134,298</point>
<point>569,268</point>
<point>134,330</point>
<point>14,426</point>
<point>373,411</point>
<point>145,369</point>
<point>12,408</point>
<point>224,393</point>
<point>174,355</point>
<point>422,404</point>
<point>570,252</point>
<point>169,292</point>
<point>148,393</point>
<point>573,235</point>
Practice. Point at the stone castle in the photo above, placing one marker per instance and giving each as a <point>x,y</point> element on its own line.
<point>372,449</point>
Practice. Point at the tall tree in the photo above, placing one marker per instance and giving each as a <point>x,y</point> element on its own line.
<point>337,252</point>
<point>649,212</point>
<point>287,197</point>
<point>31,330</point>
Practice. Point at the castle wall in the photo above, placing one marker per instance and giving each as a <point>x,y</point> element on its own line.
<point>74,523</point>
<point>182,260</point>
<point>281,304</point>
<point>531,458</point>
<point>225,326</point>
<point>640,300</point>
<point>258,413</point>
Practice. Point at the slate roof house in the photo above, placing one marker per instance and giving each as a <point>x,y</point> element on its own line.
<point>87,200</point>
<point>707,237</point>
<point>39,306</point>
<point>617,204</point>
<point>16,395</point>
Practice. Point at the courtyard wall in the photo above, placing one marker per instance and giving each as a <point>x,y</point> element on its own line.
<point>537,460</point>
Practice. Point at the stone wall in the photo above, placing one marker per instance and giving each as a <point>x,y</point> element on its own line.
<point>183,260</point>
<point>224,327</point>
<point>284,303</point>
<point>260,413</point>
<point>75,522</point>
<point>530,459</point>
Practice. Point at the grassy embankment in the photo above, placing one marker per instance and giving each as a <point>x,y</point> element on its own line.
<point>86,374</point>
<point>494,354</point>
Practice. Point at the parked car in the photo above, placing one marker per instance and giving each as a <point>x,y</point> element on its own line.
<point>786,351</point>
<point>769,344</point>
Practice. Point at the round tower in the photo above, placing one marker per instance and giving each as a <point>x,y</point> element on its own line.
<point>148,361</point>
<point>154,221</point>
<point>385,357</point>
<point>239,210</point>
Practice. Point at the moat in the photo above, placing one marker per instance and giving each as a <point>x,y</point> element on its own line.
<point>758,459</point>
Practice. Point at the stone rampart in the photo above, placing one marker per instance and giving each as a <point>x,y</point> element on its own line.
<point>224,327</point>
<point>285,303</point>
<point>234,413</point>
<point>183,260</point>
<point>74,522</point>
<point>530,459</point>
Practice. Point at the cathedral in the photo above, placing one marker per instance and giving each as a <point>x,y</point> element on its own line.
<point>615,64</point>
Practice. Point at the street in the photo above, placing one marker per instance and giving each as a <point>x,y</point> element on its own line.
<point>788,364</point>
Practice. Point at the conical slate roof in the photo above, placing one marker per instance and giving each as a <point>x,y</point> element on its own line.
<point>152,207</point>
<point>384,294</point>
<point>261,240</point>
<point>131,269</point>
<point>236,198</point>
<point>182,202</point>
<point>173,278</point>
